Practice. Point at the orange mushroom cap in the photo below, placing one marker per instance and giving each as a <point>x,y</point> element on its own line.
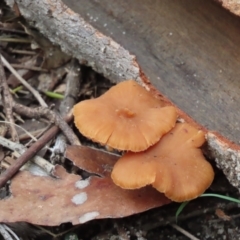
<point>127,117</point>
<point>174,166</point>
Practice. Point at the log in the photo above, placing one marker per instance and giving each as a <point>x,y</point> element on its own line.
<point>232,5</point>
<point>78,38</point>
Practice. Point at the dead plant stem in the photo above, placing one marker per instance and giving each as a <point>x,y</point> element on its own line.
<point>7,102</point>
<point>29,153</point>
<point>27,85</point>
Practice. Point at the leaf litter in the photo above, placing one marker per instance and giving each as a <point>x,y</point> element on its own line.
<point>69,198</point>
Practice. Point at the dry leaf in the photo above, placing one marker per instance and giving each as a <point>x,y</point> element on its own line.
<point>67,198</point>
<point>221,214</point>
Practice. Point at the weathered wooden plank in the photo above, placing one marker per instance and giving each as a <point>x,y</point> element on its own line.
<point>188,49</point>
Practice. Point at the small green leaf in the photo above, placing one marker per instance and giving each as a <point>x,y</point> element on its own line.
<point>182,206</point>
<point>54,95</point>
<point>15,90</point>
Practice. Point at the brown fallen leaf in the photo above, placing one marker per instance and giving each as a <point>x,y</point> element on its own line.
<point>68,198</point>
<point>25,73</point>
<point>221,214</point>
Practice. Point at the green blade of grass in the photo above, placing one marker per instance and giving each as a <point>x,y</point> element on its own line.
<point>220,196</point>
<point>183,205</point>
<point>15,90</point>
<point>54,95</point>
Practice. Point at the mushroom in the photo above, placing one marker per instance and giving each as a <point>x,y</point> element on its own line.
<point>174,166</point>
<point>126,117</point>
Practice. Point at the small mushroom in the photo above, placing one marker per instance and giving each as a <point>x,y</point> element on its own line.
<point>174,166</point>
<point>126,117</point>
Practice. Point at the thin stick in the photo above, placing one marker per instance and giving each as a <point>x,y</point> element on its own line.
<point>20,149</point>
<point>23,129</point>
<point>73,78</point>
<point>15,40</point>
<point>3,231</point>
<point>41,162</point>
<point>24,52</point>
<point>11,232</point>
<point>7,102</point>
<point>12,30</point>
<point>31,151</point>
<point>184,232</point>
<point>51,116</point>
<point>28,86</point>
<point>38,69</point>
<point>35,134</point>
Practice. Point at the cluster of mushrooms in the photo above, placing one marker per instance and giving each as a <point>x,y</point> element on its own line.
<point>158,150</point>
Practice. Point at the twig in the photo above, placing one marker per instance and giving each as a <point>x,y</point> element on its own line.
<point>56,235</point>
<point>15,40</point>
<point>20,149</point>
<point>24,230</point>
<point>5,233</point>
<point>37,166</point>
<point>73,78</point>
<point>37,146</point>
<point>7,102</point>
<point>51,116</point>
<point>24,52</point>
<point>29,134</point>
<point>184,232</point>
<point>36,133</point>
<point>28,86</point>
<point>13,31</point>
<point>42,131</point>
<point>20,66</point>
<point>11,232</point>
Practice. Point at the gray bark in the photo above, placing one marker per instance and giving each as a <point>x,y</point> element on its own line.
<point>78,38</point>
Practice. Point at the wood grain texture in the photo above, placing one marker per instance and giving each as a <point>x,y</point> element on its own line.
<point>188,49</point>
